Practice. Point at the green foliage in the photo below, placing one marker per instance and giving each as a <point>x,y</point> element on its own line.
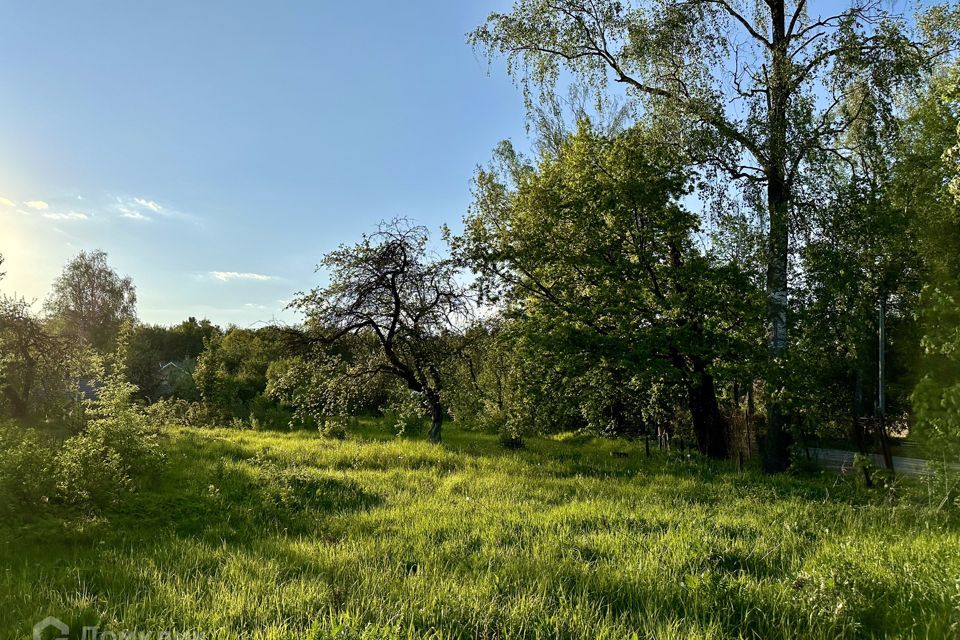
<point>928,185</point>
<point>318,390</point>
<point>936,398</point>
<point>404,307</point>
<point>594,259</point>
<point>26,466</point>
<point>183,413</point>
<point>231,375</point>
<point>39,370</point>
<point>90,301</point>
<point>160,360</point>
<point>861,247</point>
<point>760,96</point>
<point>335,427</point>
<point>97,468</point>
<point>482,388</point>
<point>405,411</point>
<point>101,464</point>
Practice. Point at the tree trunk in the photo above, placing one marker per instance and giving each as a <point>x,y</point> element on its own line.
<point>436,422</point>
<point>709,424</point>
<point>857,425</point>
<point>776,454</point>
<point>18,406</point>
<point>885,442</point>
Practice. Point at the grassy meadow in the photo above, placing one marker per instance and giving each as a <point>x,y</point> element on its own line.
<point>246,534</point>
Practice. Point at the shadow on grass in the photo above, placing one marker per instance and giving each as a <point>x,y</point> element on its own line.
<point>707,481</point>
<point>245,495</point>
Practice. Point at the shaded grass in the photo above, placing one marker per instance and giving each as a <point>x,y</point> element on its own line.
<point>282,535</point>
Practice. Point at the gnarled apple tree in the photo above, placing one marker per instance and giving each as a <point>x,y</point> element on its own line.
<point>389,287</point>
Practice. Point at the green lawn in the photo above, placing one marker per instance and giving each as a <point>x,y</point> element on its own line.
<point>289,535</point>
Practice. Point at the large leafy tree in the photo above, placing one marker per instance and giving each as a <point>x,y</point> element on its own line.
<point>389,289</point>
<point>860,260</point>
<point>592,252</point>
<point>927,187</point>
<point>860,249</point>
<point>765,88</point>
<point>90,301</point>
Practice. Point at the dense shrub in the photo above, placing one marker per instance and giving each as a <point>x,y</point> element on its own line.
<point>231,373</point>
<point>267,414</point>
<point>936,399</point>
<point>181,413</point>
<point>25,469</point>
<point>100,464</point>
<point>93,468</point>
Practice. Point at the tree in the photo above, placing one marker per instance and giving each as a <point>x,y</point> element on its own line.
<point>90,300</point>
<point>408,303</point>
<point>927,187</point>
<point>186,340</point>
<point>231,373</point>
<point>593,255</point>
<point>480,393</point>
<point>160,360</point>
<point>38,369</point>
<point>764,87</point>
<point>860,251</point>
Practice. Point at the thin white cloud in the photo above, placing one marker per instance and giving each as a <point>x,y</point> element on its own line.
<point>69,215</point>
<point>152,205</point>
<point>130,214</point>
<point>39,205</point>
<point>7,202</point>
<point>230,276</point>
<point>145,209</point>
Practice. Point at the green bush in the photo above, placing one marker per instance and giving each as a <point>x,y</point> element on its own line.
<point>335,427</point>
<point>405,411</point>
<point>181,413</point>
<point>511,438</point>
<point>267,414</point>
<point>97,466</point>
<point>25,469</point>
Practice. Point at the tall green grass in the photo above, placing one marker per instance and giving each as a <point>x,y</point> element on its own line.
<point>289,535</point>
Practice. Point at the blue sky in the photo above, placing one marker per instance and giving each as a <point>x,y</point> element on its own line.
<point>216,150</point>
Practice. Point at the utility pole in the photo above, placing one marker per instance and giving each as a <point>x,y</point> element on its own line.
<point>881,395</point>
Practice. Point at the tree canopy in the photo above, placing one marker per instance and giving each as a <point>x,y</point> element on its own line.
<point>90,300</point>
<point>391,289</point>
